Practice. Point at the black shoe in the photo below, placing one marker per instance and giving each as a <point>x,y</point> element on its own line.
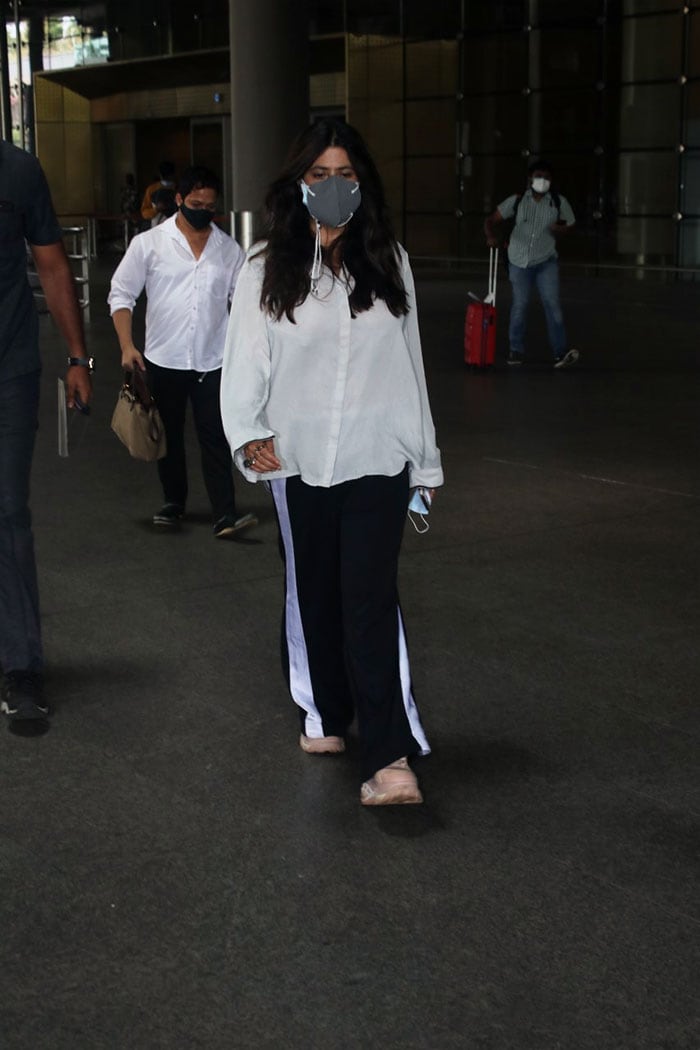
<point>169,515</point>
<point>22,697</point>
<point>228,525</point>
<point>567,359</point>
<point>514,359</point>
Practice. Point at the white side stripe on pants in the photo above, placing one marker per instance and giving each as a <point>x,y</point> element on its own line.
<point>299,673</point>
<point>299,676</point>
<point>408,701</point>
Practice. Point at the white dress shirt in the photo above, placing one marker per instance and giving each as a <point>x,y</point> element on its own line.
<point>187,298</point>
<point>343,397</point>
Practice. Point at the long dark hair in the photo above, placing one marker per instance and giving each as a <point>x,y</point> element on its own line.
<point>367,245</point>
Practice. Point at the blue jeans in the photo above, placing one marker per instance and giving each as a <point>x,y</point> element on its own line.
<point>20,629</point>
<point>546,276</point>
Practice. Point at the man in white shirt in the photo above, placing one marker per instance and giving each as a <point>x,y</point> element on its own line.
<point>188,268</point>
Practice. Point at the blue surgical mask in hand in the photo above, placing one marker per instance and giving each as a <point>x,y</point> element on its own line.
<point>418,509</point>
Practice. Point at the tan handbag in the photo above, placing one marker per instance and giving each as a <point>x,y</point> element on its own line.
<point>136,420</point>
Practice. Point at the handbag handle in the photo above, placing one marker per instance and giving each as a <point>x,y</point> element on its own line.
<point>137,383</point>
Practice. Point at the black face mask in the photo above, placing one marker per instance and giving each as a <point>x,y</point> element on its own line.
<point>197,217</point>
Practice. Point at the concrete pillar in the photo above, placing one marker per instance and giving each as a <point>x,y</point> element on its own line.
<point>269,42</point>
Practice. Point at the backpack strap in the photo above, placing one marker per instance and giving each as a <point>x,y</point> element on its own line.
<point>556,201</point>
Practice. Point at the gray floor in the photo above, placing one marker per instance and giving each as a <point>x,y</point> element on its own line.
<point>177,874</point>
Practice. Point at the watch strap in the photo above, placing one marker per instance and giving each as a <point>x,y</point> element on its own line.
<point>82,362</point>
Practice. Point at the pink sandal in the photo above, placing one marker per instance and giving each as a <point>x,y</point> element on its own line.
<point>322,745</point>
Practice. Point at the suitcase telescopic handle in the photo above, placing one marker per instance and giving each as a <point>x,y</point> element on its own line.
<point>493,274</point>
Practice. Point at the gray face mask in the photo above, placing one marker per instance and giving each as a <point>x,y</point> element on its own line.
<point>333,201</point>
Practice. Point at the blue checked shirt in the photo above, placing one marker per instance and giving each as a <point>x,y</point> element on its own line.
<point>531,241</point>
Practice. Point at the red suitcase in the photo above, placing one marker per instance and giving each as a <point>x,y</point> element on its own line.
<point>480,323</point>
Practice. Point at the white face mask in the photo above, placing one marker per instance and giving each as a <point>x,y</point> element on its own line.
<point>541,185</point>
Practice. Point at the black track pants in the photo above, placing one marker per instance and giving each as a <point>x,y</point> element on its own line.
<point>345,642</point>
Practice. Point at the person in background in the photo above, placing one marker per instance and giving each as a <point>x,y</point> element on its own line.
<point>164,204</point>
<point>27,216</point>
<point>129,204</point>
<point>165,180</point>
<point>128,197</point>
<point>541,217</point>
<point>324,396</point>
<point>188,268</point>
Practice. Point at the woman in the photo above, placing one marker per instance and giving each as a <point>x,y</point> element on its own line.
<point>323,395</point>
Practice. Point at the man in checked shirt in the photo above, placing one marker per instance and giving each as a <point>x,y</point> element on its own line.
<point>540,218</point>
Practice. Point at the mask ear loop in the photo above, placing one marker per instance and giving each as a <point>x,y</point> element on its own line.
<point>316,267</point>
<point>414,519</point>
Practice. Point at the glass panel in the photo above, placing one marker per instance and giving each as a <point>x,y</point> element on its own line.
<point>70,43</point>
<point>498,63</point>
<point>640,7</point>
<point>568,119</point>
<point>326,16</point>
<point>431,127</point>
<point>652,48</point>
<point>690,243</point>
<point>566,57</point>
<point>472,241</point>
<point>495,124</point>
<point>385,69</point>
<point>649,115</point>
<point>690,184</point>
<point>650,241</point>
<point>431,184</point>
<point>694,60</point>
<point>553,10</point>
<point>692,115</point>
<point>648,184</point>
<point>204,27</point>
<point>377,18</point>
<point>489,180</point>
<point>437,20</point>
<point>577,178</point>
<point>434,235</point>
<point>431,68</point>
<point>495,14</point>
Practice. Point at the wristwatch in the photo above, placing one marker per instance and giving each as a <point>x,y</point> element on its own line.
<point>83,362</point>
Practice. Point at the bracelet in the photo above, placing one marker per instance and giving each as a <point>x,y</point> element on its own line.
<point>82,362</point>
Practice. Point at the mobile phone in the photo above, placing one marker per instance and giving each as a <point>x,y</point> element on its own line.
<point>79,406</point>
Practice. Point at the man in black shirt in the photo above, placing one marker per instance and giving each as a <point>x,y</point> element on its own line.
<point>27,216</point>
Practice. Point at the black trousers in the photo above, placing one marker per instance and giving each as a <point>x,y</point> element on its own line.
<point>344,644</point>
<point>172,388</point>
<point>20,626</point>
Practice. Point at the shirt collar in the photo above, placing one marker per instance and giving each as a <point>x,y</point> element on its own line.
<point>175,231</point>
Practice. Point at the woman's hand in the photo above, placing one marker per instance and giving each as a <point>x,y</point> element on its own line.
<point>260,456</point>
<point>132,360</point>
